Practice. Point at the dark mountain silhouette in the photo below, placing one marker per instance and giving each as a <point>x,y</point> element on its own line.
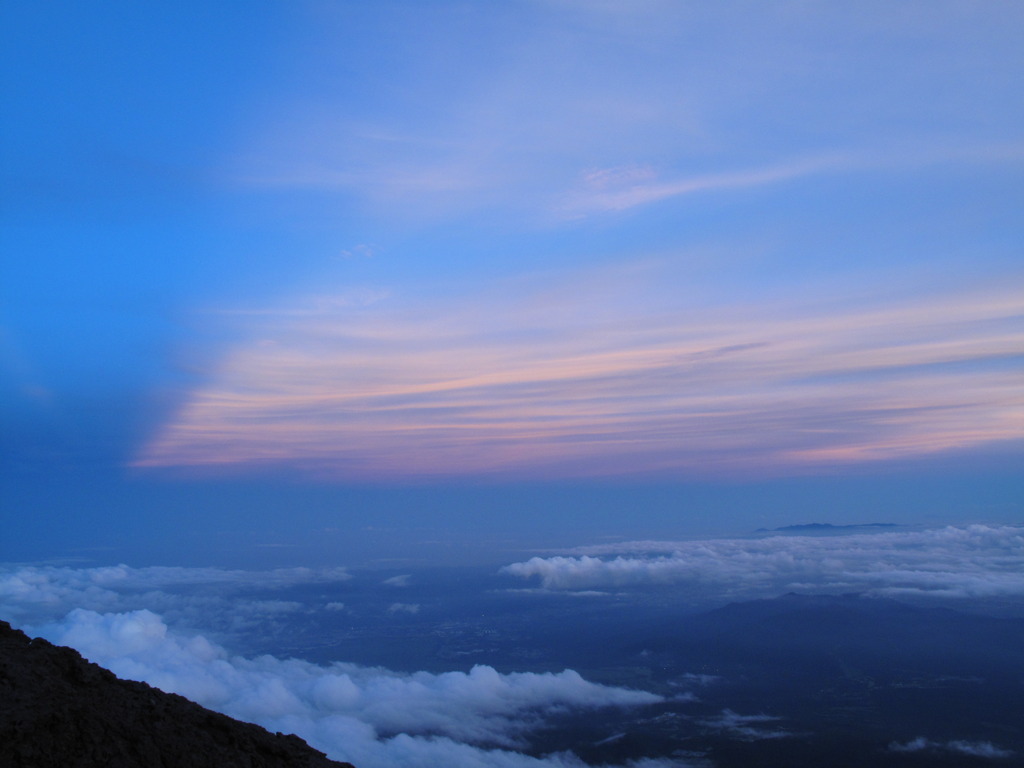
<point>58,710</point>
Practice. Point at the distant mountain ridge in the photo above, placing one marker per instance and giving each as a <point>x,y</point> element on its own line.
<point>58,710</point>
<point>813,527</point>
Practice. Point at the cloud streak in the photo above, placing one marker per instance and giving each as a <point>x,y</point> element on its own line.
<point>984,749</point>
<point>976,561</point>
<point>604,373</point>
<point>746,727</point>
<point>611,190</point>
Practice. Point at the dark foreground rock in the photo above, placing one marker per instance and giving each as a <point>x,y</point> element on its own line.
<point>58,710</point>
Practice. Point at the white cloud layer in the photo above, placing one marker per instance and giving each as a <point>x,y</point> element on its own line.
<point>974,561</point>
<point>370,716</point>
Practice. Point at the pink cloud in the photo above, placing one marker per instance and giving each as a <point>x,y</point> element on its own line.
<point>557,382</point>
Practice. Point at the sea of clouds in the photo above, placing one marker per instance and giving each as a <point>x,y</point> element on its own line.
<point>155,624</point>
<point>370,716</point>
<point>951,562</point>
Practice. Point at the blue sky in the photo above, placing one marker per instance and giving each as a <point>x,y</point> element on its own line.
<point>549,268</point>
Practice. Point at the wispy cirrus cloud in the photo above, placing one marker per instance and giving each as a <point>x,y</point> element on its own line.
<point>690,95</point>
<point>579,376</point>
<point>584,110</point>
<point>618,189</point>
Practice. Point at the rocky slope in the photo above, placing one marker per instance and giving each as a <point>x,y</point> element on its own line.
<point>59,710</point>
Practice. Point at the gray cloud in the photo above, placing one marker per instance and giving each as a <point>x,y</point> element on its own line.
<point>973,561</point>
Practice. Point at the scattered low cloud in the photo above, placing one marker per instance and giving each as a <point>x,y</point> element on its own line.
<point>195,597</point>
<point>398,581</point>
<point>372,717</point>
<point>691,678</point>
<point>412,608</point>
<point>972,748</point>
<point>746,727</point>
<point>973,561</point>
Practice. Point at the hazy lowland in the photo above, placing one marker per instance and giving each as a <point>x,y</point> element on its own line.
<point>893,648</point>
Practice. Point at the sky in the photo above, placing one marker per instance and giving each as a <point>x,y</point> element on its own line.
<point>286,282</point>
